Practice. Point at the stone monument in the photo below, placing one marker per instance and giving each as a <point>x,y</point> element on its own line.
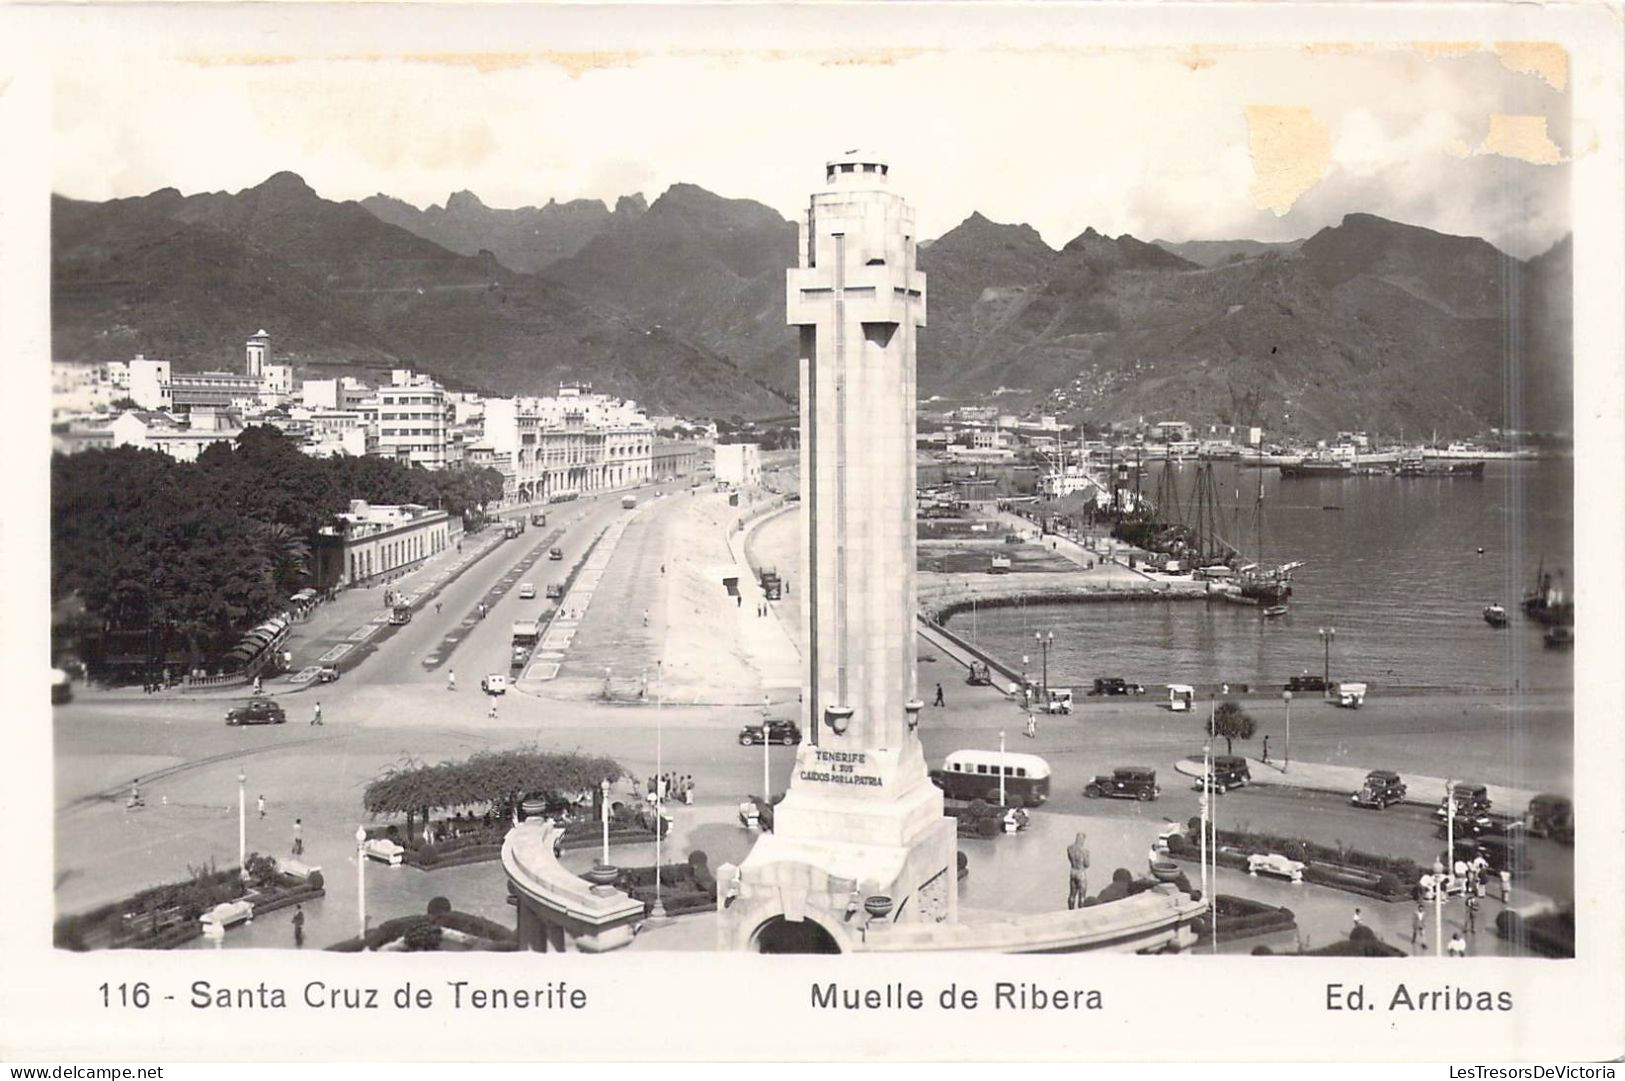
<point>860,841</point>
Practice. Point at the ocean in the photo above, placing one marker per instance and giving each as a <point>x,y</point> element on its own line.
<point>1396,572</point>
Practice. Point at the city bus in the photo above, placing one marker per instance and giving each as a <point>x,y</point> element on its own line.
<point>971,775</point>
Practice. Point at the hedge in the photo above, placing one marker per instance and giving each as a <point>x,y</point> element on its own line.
<point>1370,878</point>
<point>496,936</point>
<point>1550,934</point>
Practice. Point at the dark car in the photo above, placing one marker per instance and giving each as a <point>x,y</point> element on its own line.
<point>259,711</point>
<point>555,554</point>
<point>787,733</point>
<point>1226,772</point>
<point>1382,788</point>
<point>1305,683</point>
<point>1114,686</point>
<point>327,674</point>
<point>1469,800</point>
<point>1551,816</point>
<point>1125,782</point>
<point>1501,853</point>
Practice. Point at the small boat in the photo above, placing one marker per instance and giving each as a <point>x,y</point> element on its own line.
<point>1331,506</point>
<point>1274,610</point>
<point>1495,615</point>
<point>1559,637</point>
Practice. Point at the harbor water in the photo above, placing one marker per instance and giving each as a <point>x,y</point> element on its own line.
<point>1391,565</point>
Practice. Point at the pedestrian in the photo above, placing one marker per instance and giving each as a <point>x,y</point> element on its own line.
<point>261,805</point>
<point>451,680</point>
<point>1472,913</point>
<point>739,600</point>
<point>1457,947</point>
<point>645,617</point>
<point>939,701</point>
<point>436,607</point>
<point>298,837</point>
<point>492,712</point>
<point>1419,923</point>
<point>1358,922</point>
<point>299,926</point>
<point>1032,726</point>
<point>1506,886</point>
<point>256,684</point>
<point>1266,749</point>
<point>316,714</point>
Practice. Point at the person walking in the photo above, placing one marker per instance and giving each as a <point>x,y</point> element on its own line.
<point>451,680</point>
<point>299,926</point>
<point>1457,947</point>
<point>1506,886</point>
<point>298,837</point>
<point>436,607</point>
<point>1472,913</point>
<point>1266,750</point>
<point>939,702</point>
<point>261,804</point>
<point>1419,923</point>
<point>1358,921</point>
<point>257,689</point>
<point>492,712</point>
<point>316,714</point>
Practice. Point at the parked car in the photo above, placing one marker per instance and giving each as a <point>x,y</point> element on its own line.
<point>258,711</point>
<point>495,683</point>
<point>556,554</point>
<point>1468,799</point>
<point>1305,683</point>
<point>787,733</point>
<point>1382,788</point>
<point>1125,782</point>
<point>527,591</point>
<point>1501,853</point>
<point>1227,771</point>
<point>326,674</point>
<point>1114,685</point>
<point>1551,816</point>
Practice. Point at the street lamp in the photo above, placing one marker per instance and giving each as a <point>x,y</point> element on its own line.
<point>242,823</point>
<point>1326,636</point>
<point>767,753</point>
<point>361,882</point>
<point>1207,779</point>
<point>1046,642</point>
<point>1286,699</point>
<point>1001,768</point>
<point>603,814</point>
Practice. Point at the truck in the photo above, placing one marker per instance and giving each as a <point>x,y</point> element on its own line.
<point>526,633</point>
<point>999,565</point>
<point>512,527</point>
<point>772,585</point>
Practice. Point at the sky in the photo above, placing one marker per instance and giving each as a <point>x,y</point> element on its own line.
<point>1156,142</point>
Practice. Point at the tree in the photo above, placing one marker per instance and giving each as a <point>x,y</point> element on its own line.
<point>1233,723</point>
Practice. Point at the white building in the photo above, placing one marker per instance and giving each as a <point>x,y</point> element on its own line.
<point>373,540</point>
<point>149,383</point>
<point>739,464</point>
<point>413,421</point>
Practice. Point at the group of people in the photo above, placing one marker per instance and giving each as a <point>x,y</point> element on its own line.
<point>669,786</point>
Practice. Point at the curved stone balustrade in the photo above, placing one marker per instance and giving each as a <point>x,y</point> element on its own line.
<point>558,910</point>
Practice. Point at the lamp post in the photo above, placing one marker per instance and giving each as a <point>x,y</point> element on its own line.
<point>1001,767</point>
<point>603,814</point>
<point>1326,636</point>
<point>1449,853</point>
<point>767,754</point>
<point>1045,643</point>
<point>242,823</point>
<point>1286,700</point>
<point>1207,778</point>
<point>658,912</point>
<point>361,882</point>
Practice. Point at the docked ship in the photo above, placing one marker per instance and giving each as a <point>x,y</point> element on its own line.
<point>1413,464</point>
<point>1548,603</point>
<point>1318,464</point>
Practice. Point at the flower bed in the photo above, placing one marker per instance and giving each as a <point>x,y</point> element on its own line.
<point>422,934</point>
<point>1356,872</point>
<point>1241,918</point>
<point>159,918</point>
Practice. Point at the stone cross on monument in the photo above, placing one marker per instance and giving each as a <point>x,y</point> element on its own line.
<point>862,819</point>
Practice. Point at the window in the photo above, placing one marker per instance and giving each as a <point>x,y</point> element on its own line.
<point>1021,771</point>
<point>980,768</point>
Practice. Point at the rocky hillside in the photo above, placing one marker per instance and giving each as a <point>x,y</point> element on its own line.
<point>525,239</point>
<point>186,278</point>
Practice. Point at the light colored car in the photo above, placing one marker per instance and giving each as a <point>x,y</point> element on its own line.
<point>527,591</point>
<point>494,684</point>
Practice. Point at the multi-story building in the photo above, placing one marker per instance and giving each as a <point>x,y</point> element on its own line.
<point>371,541</point>
<point>739,464</point>
<point>413,422</point>
<point>573,443</point>
<point>149,383</point>
<point>159,431</point>
<point>222,390</point>
<point>678,458</point>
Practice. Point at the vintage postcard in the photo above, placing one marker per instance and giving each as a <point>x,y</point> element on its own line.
<point>1063,525</point>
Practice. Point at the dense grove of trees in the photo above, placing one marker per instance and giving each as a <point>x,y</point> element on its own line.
<point>204,550</point>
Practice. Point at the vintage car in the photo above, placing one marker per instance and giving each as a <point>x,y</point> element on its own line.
<point>327,674</point>
<point>1466,799</point>
<point>1114,685</point>
<point>555,554</point>
<point>1305,683</point>
<point>495,683</point>
<point>258,711</point>
<point>1226,772</point>
<point>555,591</point>
<point>1125,782</point>
<point>527,591</point>
<point>785,733</point>
<point>1382,788</point>
<point>1551,816</point>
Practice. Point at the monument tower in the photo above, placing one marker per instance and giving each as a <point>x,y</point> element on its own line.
<point>861,829</point>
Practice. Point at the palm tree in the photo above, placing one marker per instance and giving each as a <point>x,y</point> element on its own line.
<point>287,551</point>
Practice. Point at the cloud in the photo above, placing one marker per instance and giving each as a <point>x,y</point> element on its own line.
<point>1150,142</point>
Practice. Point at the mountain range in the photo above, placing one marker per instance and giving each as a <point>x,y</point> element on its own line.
<point>680,303</point>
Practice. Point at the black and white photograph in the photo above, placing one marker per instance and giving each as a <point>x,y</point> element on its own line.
<point>526,488</point>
